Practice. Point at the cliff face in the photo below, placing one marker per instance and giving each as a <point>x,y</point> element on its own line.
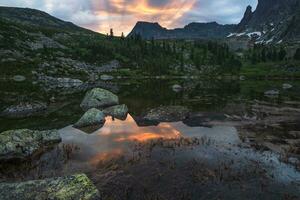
<point>211,30</point>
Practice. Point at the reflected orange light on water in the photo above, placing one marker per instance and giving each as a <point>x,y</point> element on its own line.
<point>128,130</point>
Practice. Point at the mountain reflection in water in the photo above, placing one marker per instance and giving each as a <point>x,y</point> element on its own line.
<point>116,136</point>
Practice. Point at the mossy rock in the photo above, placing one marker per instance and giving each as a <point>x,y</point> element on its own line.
<point>99,98</point>
<point>23,143</point>
<point>62,188</point>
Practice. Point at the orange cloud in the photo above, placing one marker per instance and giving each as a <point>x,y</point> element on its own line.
<point>121,15</point>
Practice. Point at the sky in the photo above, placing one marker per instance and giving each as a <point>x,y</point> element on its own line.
<point>122,15</point>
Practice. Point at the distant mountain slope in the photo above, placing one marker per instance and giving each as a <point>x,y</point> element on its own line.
<point>273,21</point>
<point>36,18</point>
<point>211,30</point>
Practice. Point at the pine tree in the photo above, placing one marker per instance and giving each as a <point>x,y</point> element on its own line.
<point>297,54</point>
<point>282,54</point>
<point>111,33</point>
<point>122,36</point>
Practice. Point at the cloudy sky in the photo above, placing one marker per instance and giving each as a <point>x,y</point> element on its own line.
<point>121,15</point>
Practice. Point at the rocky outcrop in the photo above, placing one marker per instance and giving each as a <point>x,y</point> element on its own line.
<point>23,144</point>
<point>246,19</point>
<point>64,188</point>
<point>167,114</point>
<point>99,98</point>
<point>25,109</point>
<point>93,117</point>
<point>119,111</point>
<point>274,20</point>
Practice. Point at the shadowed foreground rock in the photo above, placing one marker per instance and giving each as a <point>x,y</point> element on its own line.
<point>23,144</point>
<point>99,98</point>
<point>64,188</point>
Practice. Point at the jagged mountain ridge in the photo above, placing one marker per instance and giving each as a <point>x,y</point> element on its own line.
<point>273,21</point>
<point>194,30</point>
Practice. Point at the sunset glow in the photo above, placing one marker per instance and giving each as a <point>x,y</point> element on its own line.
<point>122,15</point>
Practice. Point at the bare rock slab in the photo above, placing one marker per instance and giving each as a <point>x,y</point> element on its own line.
<point>61,188</point>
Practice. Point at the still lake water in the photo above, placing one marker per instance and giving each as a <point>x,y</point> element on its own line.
<point>129,161</point>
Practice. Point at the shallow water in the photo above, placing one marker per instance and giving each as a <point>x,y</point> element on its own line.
<point>164,161</point>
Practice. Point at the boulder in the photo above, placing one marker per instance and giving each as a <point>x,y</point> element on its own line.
<point>167,114</point>
<point>272,93</point>
<point>177,88</point>
<point>93,117</point>
<point>106,77</point>
<point>119,111</point>
<point>64,188</point>
<point>99,98</point>
<point>286,86</point>
<point>23,143</point>
<point>24,109</point>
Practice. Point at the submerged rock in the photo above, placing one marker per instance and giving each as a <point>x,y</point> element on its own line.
<point>23,143</point>
<point>93,117</point>
<point>64,188</point>
<point>119,111</point>
<point>24,110</point>
<point>167,114</point>
<point>99,98</point>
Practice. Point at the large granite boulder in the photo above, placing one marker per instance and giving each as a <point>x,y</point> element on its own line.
<point>61,188</point>
<point>99,98</point>
<point>119,111</point>
<point>24,109</point>
<point>167,114</point>
<point>93,117</point>
<point>23,143</point>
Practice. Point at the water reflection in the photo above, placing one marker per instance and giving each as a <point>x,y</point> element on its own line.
<point>128,130</point>
<point>114,138</point>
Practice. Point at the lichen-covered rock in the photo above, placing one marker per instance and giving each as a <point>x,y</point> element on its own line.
<point>93,117</point>
<point>167,114</point>
<point>99,98</point>
<point>61,188</point>
<point>24,109</point>
<point>119,111</point>
<point>23,143</point>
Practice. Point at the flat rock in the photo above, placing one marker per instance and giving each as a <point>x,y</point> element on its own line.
<point>119,111</point>
<point>272,93</point>
<point>99,98</point>
<point>93,117</point>
<point>61,188</point>
<point>23,144</point>
<point>19,78</point>
<point>167,114</point>
<point>24,109</point>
